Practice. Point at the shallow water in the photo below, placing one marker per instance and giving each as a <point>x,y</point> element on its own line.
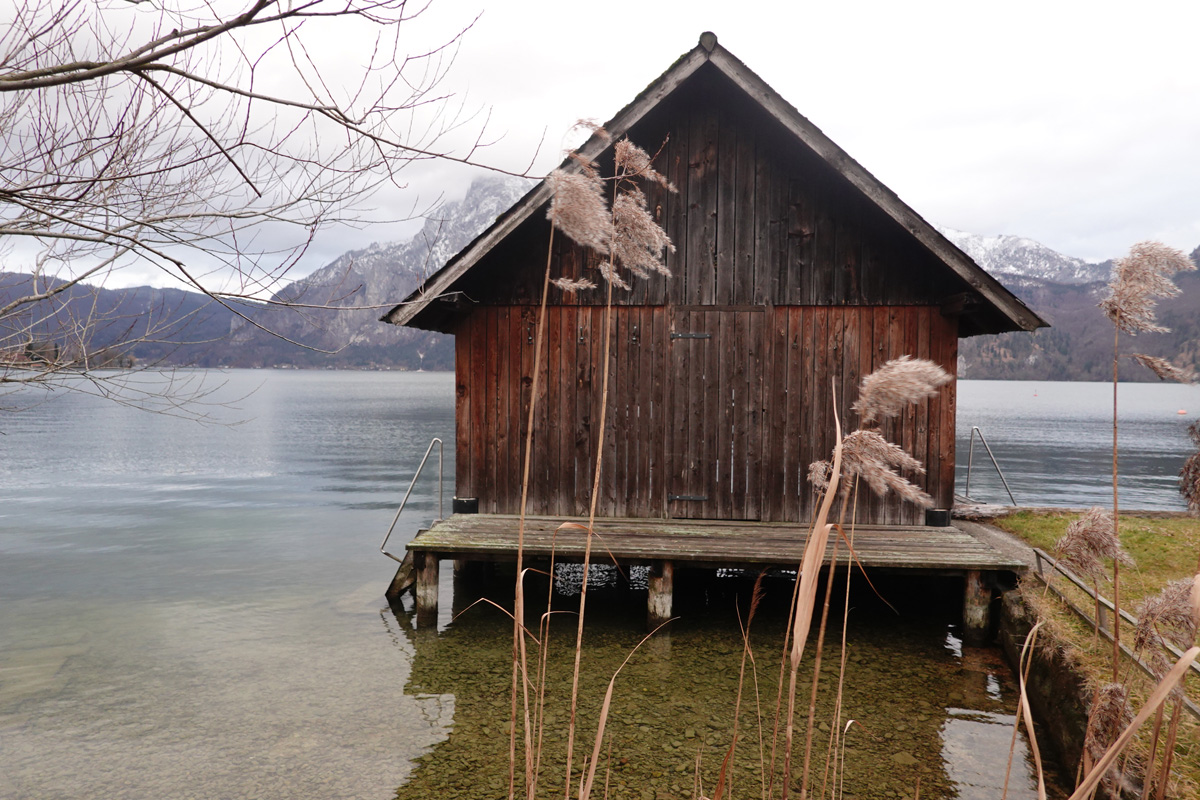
<point>926,711</point>
<point>196,611</point>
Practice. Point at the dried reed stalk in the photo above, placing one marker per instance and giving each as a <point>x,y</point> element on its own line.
<point>1139,281</point>
<point>628,235</point>
<point>520,654</point>
<point>1157,697</point>
<point>810,565</point>
<point>1025,663</point>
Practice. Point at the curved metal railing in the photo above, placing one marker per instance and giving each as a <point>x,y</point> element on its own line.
<point>971,463</point>
<point>421,466</point>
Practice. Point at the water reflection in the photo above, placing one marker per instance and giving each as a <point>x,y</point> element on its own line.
<point>928,711</point>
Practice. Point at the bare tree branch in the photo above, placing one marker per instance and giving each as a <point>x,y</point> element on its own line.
<point>211,141</point>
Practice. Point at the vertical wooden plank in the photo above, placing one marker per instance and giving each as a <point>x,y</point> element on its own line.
<point>720,420</point>
<point>946,332</point>
<point>702,212</point>
<point>547,440</point>
<point>511,343</point>
<point>824,238</point>
<point>582,470</point>
<point>644,417</point>
<point>800,408</point>
<point>825,354</point>
<point>659,352</point>
<point>929,413</point>
<point>622,407</point>
<point>847,288</point>
<point>726,209</point>
<point>755,423</point>
<point>463,478</point>
<point>565,412</point>
<point>745,224</point>
<point>898,429</point>
<point>491,431</point>
<point>851,349</point>
<point>611,325</point>
<point>776,406</point>
<point>716,412</point>
<point>798,283</point>
<point>677,209</point>
<point>478,393</point>
<point>866,360</point>
<point>914,421</point>
<point>673,382</point>
<point>694,416</point>
<point>766,254</point>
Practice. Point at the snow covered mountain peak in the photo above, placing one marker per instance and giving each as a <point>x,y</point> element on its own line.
<point>1008,257</point>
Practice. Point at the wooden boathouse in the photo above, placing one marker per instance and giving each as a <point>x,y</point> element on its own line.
<point>794,270</point>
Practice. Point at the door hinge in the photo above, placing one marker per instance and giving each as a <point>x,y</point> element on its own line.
<point>691,335</point>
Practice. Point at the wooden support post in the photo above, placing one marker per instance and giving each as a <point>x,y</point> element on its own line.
<point>662,590</point>
<point>977,603</point>
<point>427,589</point>
<point>403,581</point>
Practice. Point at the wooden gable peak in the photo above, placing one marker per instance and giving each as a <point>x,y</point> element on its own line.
<point>1014,313</point>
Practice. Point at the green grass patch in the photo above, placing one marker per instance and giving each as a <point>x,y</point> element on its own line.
<point>1165,548</point>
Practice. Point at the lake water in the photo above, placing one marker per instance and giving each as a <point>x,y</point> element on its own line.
<point>1053,442</point>
<point>195,610</point>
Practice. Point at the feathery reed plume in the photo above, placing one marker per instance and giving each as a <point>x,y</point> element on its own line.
<point>867,455</point>
<point>577,206</point>
<point>899,382</point>
<point>1089,539</point>
<point>626,231</point>
<point>1164,369</point>
<point>818,474</point>
<point>633,160</point>
<point>573,285</point>
<point>1139,281</point>
<point>1110,716</point>
<point>639,241</point>
<point>1189,474</point>
<point>1166,616</point>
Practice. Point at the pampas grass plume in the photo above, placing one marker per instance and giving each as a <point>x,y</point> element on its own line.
<point>1139,280</point>
<point>868,455</point>
<point>1164,369</point>
<point>899,382</point>
<point>577,207</point>
<point>1089,539</point>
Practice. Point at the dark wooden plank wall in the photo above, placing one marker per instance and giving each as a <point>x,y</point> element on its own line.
<point>757,220</point>
<point>736,418</point>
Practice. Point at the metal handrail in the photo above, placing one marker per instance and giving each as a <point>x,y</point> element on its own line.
<point>420,467</point>
<point>1106,608</point>
<point>971,462</point>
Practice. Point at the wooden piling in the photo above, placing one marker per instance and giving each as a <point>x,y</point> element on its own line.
<point>661,595</point>
<point>427,565</point>
<point>404,580</point>
<point>977,602</point>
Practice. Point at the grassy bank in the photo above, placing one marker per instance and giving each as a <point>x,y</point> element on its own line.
<point>1165,549</point>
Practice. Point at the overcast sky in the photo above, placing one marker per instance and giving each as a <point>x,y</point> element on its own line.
<point>1072,123</point>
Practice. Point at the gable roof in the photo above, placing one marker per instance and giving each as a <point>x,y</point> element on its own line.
<point>1011,312</point>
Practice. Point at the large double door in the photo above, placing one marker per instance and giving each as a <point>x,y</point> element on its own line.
<point>715,414</point>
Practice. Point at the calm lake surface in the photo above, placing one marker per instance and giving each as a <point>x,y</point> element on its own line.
<point>196,611</point>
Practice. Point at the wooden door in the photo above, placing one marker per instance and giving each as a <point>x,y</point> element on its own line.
<point>714,438</point>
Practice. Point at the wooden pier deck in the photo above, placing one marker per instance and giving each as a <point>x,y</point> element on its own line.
<point>665,544</point>
<point>702,543</point>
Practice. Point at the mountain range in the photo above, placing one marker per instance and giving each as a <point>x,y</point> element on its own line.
<point>338,326</point>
